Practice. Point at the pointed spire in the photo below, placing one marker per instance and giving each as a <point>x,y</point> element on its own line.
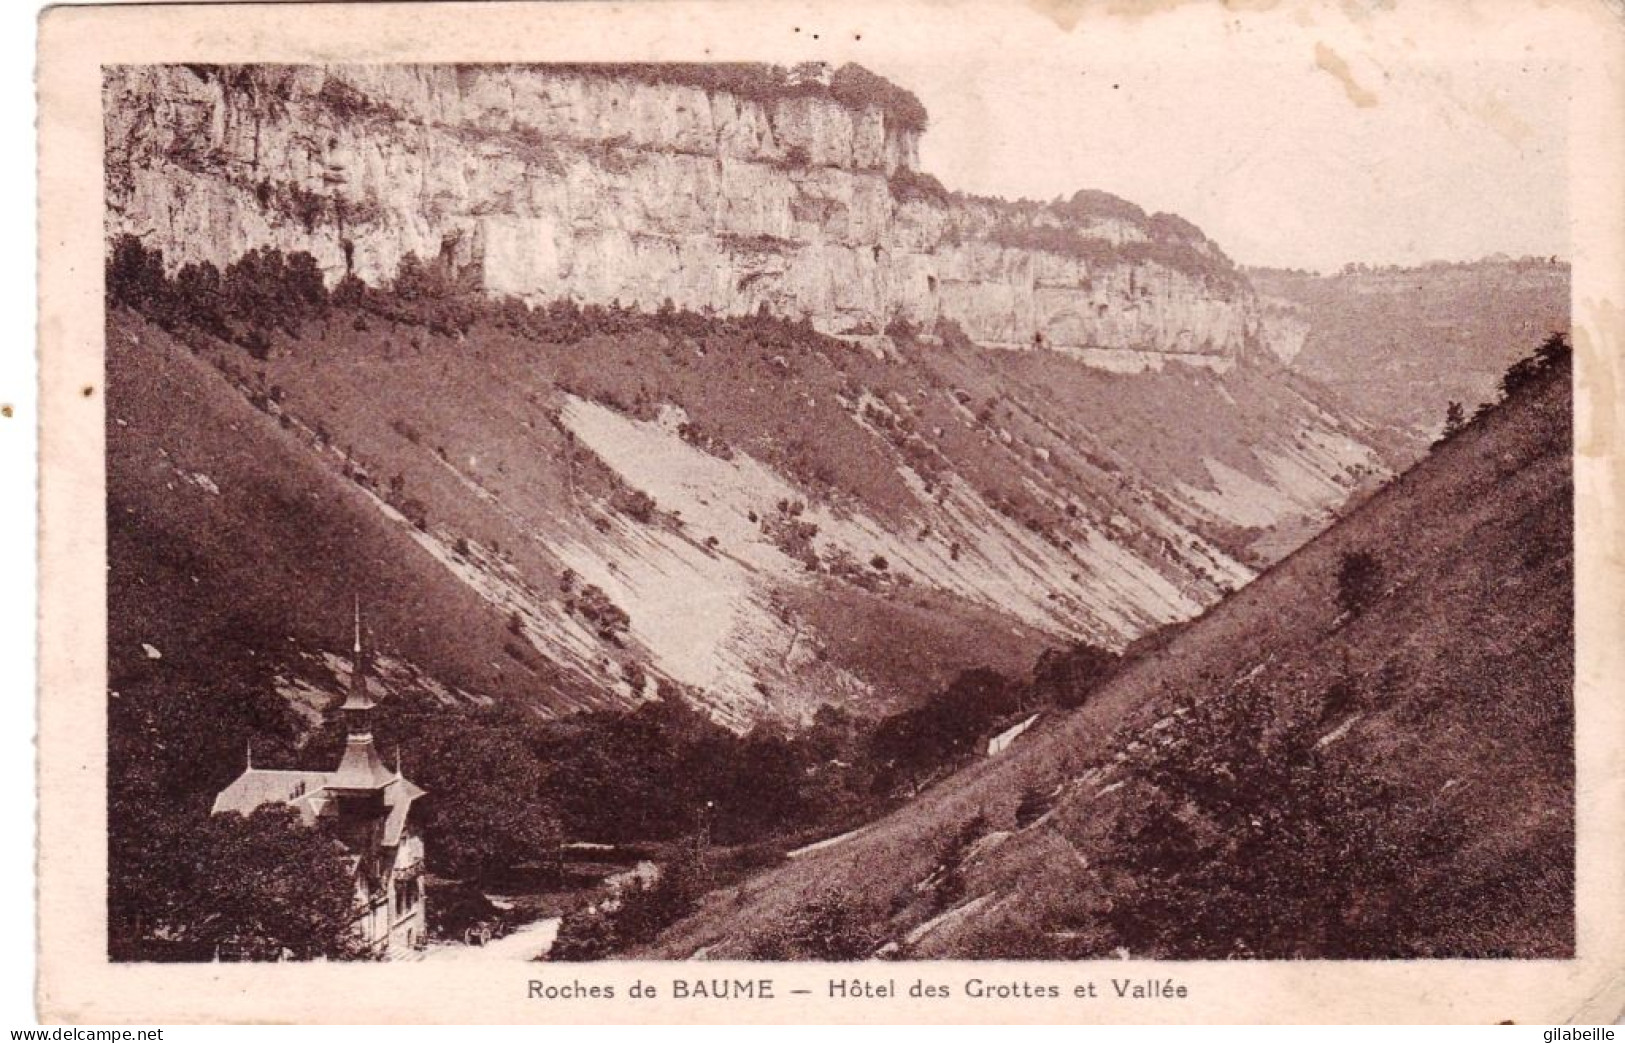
<point>361,769</point>
<point>358,698</point>
<point>250,765</point>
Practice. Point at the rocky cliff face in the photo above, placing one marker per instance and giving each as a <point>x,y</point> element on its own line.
<point>727,188</point>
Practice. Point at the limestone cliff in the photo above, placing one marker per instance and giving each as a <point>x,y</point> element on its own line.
<point>718,187</point>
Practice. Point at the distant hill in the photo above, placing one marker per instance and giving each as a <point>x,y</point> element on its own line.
<point>1399,344</point>
<point>1368,752</point>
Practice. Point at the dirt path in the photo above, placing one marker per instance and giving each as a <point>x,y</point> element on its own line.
<point>527,942</point>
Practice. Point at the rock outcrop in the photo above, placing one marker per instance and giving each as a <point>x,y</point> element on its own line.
<point>729,188</point>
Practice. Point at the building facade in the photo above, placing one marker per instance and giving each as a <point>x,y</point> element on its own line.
<point>369,806</point>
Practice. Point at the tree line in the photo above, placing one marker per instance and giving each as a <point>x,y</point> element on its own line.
<point>1554,355</point>
<point>266,295</point>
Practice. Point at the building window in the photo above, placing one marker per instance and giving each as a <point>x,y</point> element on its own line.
<point>406,895</point>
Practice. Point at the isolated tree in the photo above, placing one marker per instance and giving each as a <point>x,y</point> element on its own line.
<point>1554,350</point>
<point>493,811</point>
<point>273,887</point>
<point>1067,677</point>
<point>135,275</point>
<point>1455,418</point>
<point>831,926</point>
<point>586,935</point>
<point>199,299</point>
<point>946,727</point>
<point>302,282</point>
<point>1519,374</point>
<point>266,885</point>
<point>1359,580</point>
<point>412,278</point>
<point>949,886</point>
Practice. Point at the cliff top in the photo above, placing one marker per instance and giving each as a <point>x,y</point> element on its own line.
<point>850,86</point>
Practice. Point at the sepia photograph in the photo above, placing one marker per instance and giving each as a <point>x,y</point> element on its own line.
<point>839,501</point>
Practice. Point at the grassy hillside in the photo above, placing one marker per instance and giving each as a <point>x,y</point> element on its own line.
<point>229,542</point>
<point>1399,344</point>
<point>1377,765</point>
<point>731,508</point>
<point>241,528</point>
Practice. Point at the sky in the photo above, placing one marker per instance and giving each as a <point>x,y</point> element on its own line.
<point>1290,149</point>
